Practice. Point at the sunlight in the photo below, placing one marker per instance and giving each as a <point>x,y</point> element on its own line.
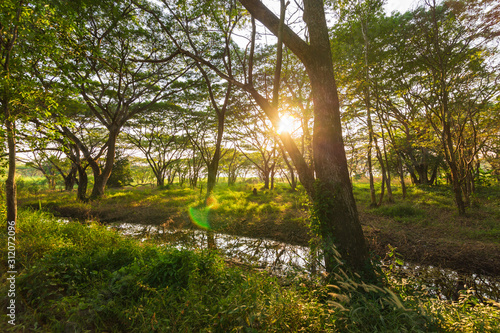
<point>286,124</point>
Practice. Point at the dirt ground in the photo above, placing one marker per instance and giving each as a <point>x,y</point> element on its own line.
<point>427,246</point>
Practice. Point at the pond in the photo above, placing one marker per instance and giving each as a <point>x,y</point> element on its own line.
<point>281,258</point>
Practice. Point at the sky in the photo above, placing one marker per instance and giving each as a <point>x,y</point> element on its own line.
<point>399,5</point>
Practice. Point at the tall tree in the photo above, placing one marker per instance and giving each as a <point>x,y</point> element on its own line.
<point>357,50</point>
<point>20,95</point>
<point>328,184</point>
<point>256,141</point>
<point>455,85</point>
<point>158,135</point>
<point>106,65</point>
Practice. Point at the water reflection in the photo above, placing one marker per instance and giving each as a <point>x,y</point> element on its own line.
<point>282,258</point>
<point>278,257</point>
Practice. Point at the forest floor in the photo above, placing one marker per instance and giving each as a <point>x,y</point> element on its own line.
<point>424,228</point>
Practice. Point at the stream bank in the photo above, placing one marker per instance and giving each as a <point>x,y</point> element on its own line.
<point>281,258</point>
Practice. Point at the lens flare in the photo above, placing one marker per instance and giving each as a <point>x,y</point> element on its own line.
<point>200,214</point>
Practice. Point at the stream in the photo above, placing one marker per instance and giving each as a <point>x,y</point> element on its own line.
<point>281,258</point>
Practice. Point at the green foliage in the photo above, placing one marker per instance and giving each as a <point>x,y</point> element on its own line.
<point>87,277</point>
<point>465,315</point>
<point>121,174</point>
<point>32,185</point>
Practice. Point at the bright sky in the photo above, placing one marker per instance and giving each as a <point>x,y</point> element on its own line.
<point>399,5</point>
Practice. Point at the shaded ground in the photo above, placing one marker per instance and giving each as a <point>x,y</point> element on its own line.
<point>425,230</point>
<point>433,247</point>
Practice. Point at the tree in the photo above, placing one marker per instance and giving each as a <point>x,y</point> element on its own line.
<point>106,65</point>
<point>20,95</point>
<point>51,163</point>
<point>121,174</point>
<point>331,190</point>
<point>256,141</point>
<point>83,140</point>
<point>233,165</point>
<point>358,49</point>
<point>328,183</point>
<point>400,115</point>
<point>218,94</point>
<point>455,85</point>
<point>158,135</point>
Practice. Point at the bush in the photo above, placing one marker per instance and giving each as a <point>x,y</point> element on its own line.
<point>121,174</point>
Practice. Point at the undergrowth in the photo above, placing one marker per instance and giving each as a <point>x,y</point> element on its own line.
<point>75,277</point>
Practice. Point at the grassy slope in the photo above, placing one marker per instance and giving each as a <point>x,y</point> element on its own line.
<point>76,277</point>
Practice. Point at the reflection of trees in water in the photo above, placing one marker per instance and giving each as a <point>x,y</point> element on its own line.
<point>281,258</point>
<point>256,252</point>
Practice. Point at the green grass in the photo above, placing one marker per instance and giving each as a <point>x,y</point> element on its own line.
<point>83,277</point>
<point>236,211</point>
<point>400,210</point>
<point>433,208</point>
<point>427,212</point>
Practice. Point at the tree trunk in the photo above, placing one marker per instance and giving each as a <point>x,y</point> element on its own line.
<point>70,178</point>
<point>333,198</point>
<point>292,181</point>
<point>331,193</point>
<point>171,177</point>
<point>433,179</point>
<point>384,176</point>
<point>422,174</point>
<point>51,181</point>
<point>160,180</point>
<point>272,176</point>
<point>10,183</point>
<point>402,175</point>
<point>373,197</point>
<point>265,177</point>
<point>366,92</point>
<point>74,155</point>
<point>413,177</point>
<point>96,170</point>
<point>390,198</point>
<point>101,179</point>
<point>82,183</point>
<point>451,160</point>
<point>455,182</point>
<point>213,167</point>
<point>211,178</point>
<point>182,178</point>
<point>382,189</point>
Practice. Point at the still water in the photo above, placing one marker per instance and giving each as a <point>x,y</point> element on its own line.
<point>281,258</point>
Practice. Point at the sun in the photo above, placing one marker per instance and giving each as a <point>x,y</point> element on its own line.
<point>286,124</point>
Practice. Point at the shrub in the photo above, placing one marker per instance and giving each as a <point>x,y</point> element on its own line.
<point>121,174</point>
